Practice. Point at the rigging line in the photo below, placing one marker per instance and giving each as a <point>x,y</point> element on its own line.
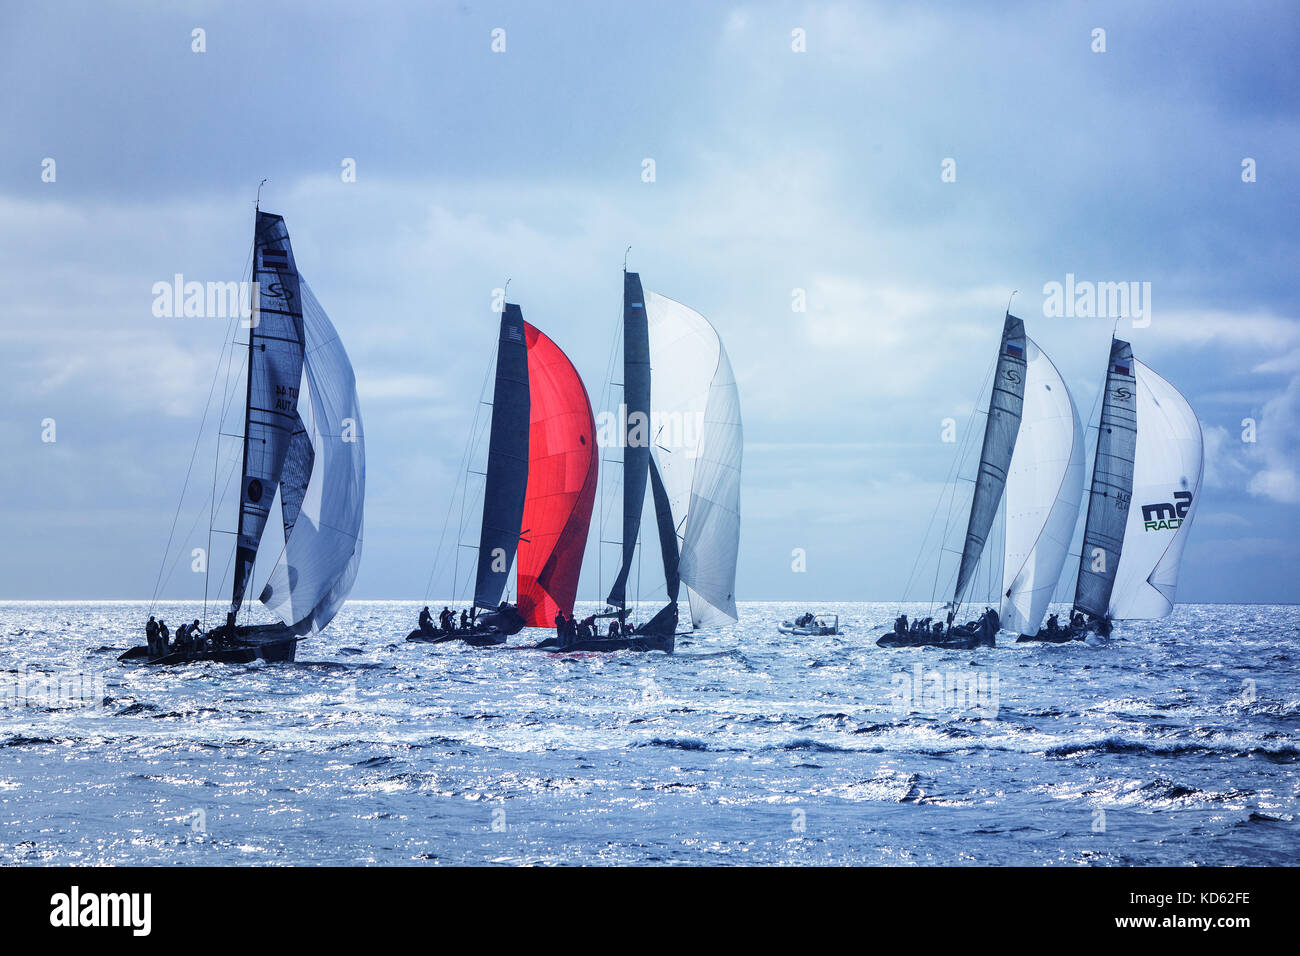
<point>606,395</point>
<point>197,518</point>
<point>207,406</point>
<point>946,489</point>
<point>227,350</point>
<point>966,448</point>
<point>460,480</point>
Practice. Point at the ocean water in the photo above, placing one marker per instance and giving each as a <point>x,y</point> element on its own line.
<point>1177,744</point>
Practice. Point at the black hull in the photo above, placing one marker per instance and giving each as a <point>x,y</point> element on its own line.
<point>273,643</point>
<point>964,637</point>
<point>1098,626</point>
<point>472,638</point>
<point>638,642</point>
<point>1046,637</point>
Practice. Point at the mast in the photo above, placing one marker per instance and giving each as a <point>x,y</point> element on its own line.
<point>1006,405</point>
<point>1111,492</point>
<point>507,468</point>
<point>275,364</point>
<point>636,445</point>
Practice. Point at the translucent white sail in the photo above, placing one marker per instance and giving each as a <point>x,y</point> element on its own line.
<point>1166,485</point>
<point>1043,492</point>
<point>696,441</point>
<point>319,563</point>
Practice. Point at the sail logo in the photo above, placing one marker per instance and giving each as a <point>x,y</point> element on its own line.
<point>955,691</point>
<point>667,431</point>
<point>75,909</point>
<point>182,299</point>
<point>1098,300</point>
<point>1169,515</point>
<point>1122,394</point>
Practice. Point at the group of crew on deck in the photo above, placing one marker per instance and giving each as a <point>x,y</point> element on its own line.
<point>928,629</point>
<point>1077,625</point>
<point>189,638</point>
<point>569,630</point>
<point>446,621</point>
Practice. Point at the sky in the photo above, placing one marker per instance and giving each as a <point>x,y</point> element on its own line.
<point>906,166</point>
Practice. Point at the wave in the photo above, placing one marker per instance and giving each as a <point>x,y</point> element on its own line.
<point>1122,747</point>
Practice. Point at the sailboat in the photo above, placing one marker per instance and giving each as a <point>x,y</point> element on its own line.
<point>683,438</point>
<point>316,464</point>
<point>1031,462</point>
<point>539,489</point>
<point>1149,448</point>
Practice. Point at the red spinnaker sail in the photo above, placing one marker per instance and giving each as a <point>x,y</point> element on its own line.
<point>561,483</point>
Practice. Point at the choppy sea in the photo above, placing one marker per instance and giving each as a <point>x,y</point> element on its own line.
<point>1177,743</point>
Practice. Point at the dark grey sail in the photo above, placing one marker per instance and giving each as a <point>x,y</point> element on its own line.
<point>275,358</point>
<point>1112,485</point>
<point>636,447</point>
<point>507,466</point>
<point>667,533</point>
<point>294,476</point>
<point>1006,404</point>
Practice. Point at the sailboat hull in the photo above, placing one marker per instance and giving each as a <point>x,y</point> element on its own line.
<point>472,638</point>
<point>963,637</point>
<point>648,642</point>
<point>1099,627</point>
<point>273,643</point>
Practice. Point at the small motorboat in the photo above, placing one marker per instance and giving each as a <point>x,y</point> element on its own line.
<point>811,625</point>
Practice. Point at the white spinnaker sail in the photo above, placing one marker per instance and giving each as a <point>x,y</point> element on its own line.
<point>696,441</point>
<point>1167,466</point>
<point>1043,492</point>
<point>319,563</point>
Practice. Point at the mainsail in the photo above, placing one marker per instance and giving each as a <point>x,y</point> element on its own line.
<point>696,448</point>
<point>1112,485</point>
<point>1006,403</point>
<point>1043,486</point>
<point>1167,464</point>
<point>507,466</point>
<point>275,363</point>
<point>561,483</point>
<point>636,446</point>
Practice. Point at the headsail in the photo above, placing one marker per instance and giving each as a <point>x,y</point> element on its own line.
<point>561,483</point>
<point>1167,465</point>
<point>636,448</point>
<point>696,445</point>
<point>507,468</point>
<point>275,362</point>
<point>322,549</point>
<point>1043,487</point>
<point>1005,407</point>
<point>1112,485</point>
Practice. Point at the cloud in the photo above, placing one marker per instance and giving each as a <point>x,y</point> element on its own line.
<point>1278,439</point>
